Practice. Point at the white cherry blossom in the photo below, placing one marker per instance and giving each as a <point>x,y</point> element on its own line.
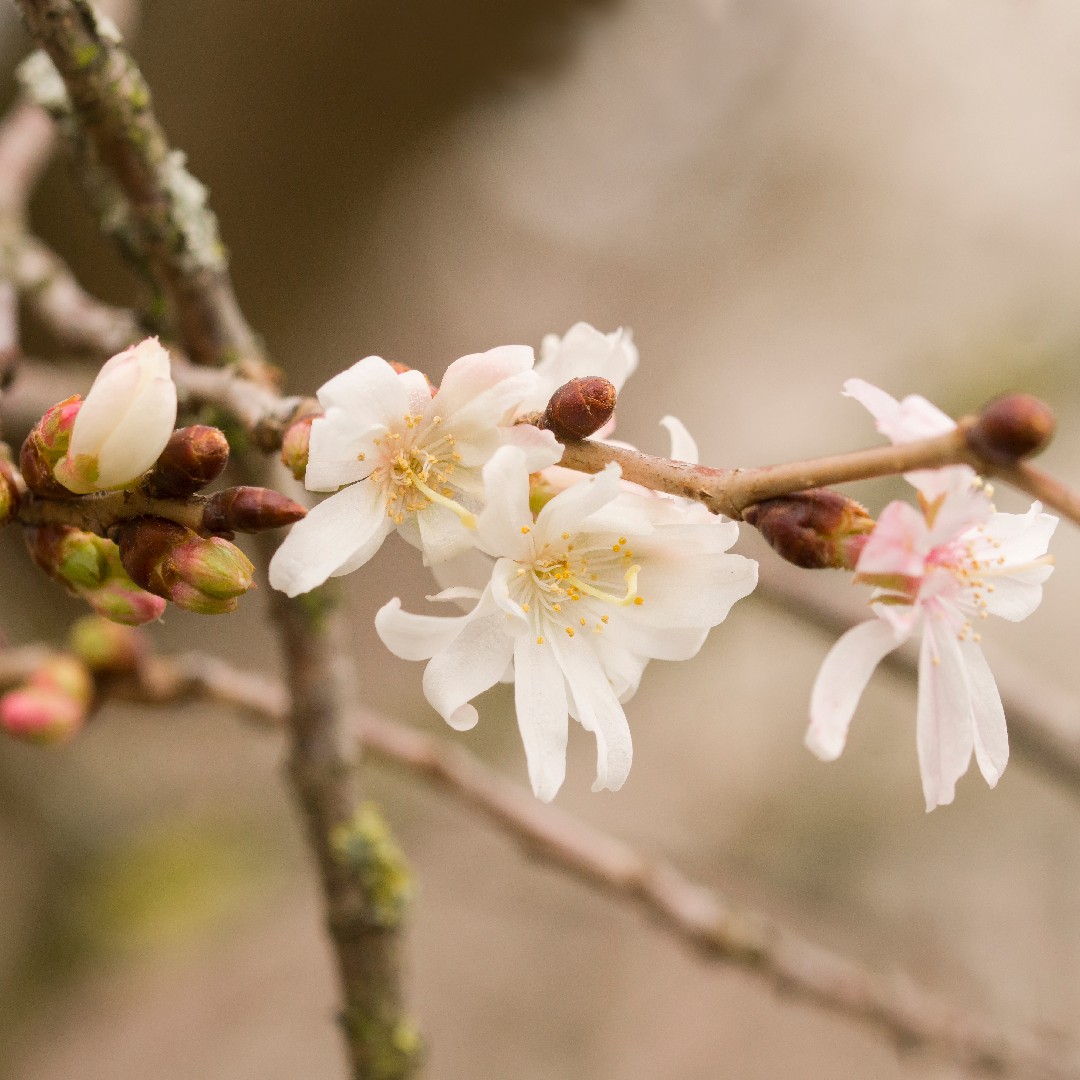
<point>938,573</point>
<point>406,459</point>
<point>578,601</point>
<point>124,423</point>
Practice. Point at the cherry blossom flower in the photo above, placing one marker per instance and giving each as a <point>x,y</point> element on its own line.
<point>907,421</point>
<point>578,601</point>
<point>938,573</point>
<point>406,459</point>
<point>124,423</point>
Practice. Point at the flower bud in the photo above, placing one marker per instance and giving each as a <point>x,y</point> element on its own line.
<point>192,458</point>
<point>814,529</point>
<point>579,408</point>
<point>10,494</point>
<point>249,510</point>
<point>46,444</point>
<point>106,647</point>
<point>1012,427</point>
<point>201,575</point>
<point>121,601</point>
<point>294,446</point>
<point>123,424</point>
<point>52,705</point>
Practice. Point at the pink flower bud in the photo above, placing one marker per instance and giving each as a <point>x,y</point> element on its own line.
<point>814,529</point>
<point>106,647</point>
<point>123,424</point>
<point>192,458</point>
<point>294,446</point>
<point>46,445</point>
<point>121,601</point>
<point>53,704</point>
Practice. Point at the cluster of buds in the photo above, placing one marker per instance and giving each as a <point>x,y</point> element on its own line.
<point>55,699</point>
<point>139,555</point>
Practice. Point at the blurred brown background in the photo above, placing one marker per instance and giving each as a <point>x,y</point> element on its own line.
<point>774,195</point>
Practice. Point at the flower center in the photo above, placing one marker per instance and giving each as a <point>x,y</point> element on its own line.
<point>417,464</point>
<point>573,589</point>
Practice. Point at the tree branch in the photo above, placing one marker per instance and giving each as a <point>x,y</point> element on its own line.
<point>710,925</point>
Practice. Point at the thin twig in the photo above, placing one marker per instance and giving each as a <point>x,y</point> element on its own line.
<point>713,927</point>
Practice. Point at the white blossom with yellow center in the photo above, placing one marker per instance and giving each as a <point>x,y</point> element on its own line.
<point>579,600</point>
<point>406,459</point>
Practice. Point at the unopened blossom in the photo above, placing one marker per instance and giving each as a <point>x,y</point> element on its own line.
<point>580,352</point>
<point>124,423</point>
<point>909,420</point>
<point>938,574</point>
<point>579,599</point>
<point>406,459</point>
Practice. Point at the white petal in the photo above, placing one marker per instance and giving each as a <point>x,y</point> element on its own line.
<point>348,527</point>
<point>1020,538</point>
<point>944,734</point>
<point>622,668</point>
<point>139,438</point>
<point>696,593</point>
<point>340,452</point>
<point>468,666</point>
<point>991,735</point>
<point>504,523</point>
<point>683,446</point>
<point>599,711</point>
<point>108,399</point>
<point>569,508</point>
<point>471,569</point>
<point>541,448</point>
<point>370,390</point>
<point>540,703</point>
<point>1015,597</point>
<point>627,631</point>
<point>471,379</point>
<point>442,534</point>
<point>841,682</point>
<point>416,637</point>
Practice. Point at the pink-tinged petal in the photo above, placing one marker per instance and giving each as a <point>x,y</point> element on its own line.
<point>343,530</point>
<point>503,526</point>
<point>340,452</point>
<point>898,545</point>
<point>469,665</point>
<point>541,448</point>
<point>957,512</point>
<point>991,735</point>
<point>1016,596</point>
<point>899,421</point>
<point>840,684</point>
<point>683,445</point>
<point>417,637</point>
<point>943,725</point>
<point>472,377</point>
<point>540,703</point>
<point>598,710</point>
<point>567,511</point>
<point>371,391</point>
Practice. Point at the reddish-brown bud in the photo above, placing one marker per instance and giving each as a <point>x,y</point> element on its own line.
<point>294,446</point>
<point>249,510</point>
<point>1012,427</point>
<point>198,574</point>
<point>814,529</point>
<point>580,408</point>
<point>192,458</point>
<point>37,472</point>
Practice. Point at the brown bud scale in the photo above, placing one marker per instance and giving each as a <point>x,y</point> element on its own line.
<point>193,457</point>
<point>580,408</point>
<point>249,510</point>
<point>1012,427</point>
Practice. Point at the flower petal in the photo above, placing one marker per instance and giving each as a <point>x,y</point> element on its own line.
<point>990,733</point>
<point>471,663</point>
<point>340,451</point>
<point>442,534</point>
<point>505,522</point>
<point>345,529</point>
<point>566,511</point>
<point>416,637</point>
<point>541,448</point>
<point>943,725</point>
<point>139,438</point>
<point>695,594</point>
<point>475,386</point>
<point>841,682</point>
<point>599,711</point>
<point>898,545</point>
<point>683,445</point>
<point>370,391</point>
<point>540,702</point>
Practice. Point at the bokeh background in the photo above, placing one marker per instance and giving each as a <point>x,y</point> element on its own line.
<point>775,195</point>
